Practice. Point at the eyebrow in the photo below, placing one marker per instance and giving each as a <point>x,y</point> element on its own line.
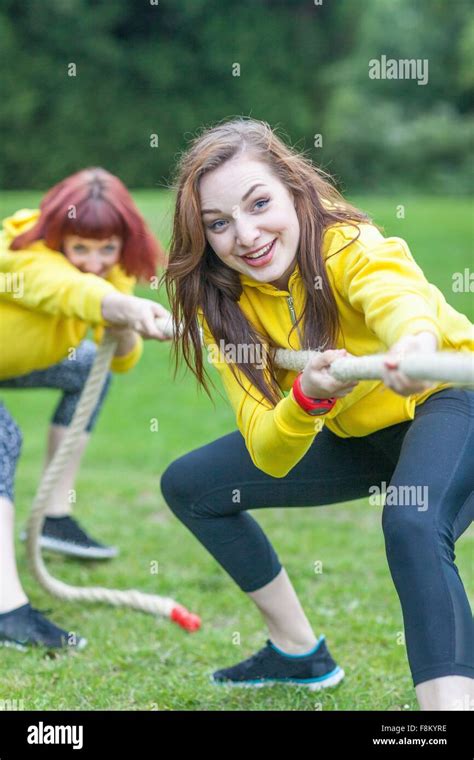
<point>82,245</point>
<point>218,211</point>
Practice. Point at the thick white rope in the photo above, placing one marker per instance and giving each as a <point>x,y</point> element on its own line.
<point>455,367</point>
<point>153,604</point>
<point>443,366</point>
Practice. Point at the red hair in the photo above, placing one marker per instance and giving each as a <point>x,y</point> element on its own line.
<point>95,204</point>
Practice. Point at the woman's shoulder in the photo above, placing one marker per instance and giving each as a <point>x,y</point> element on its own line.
<point>347,246</point>
<point>347,243</point>
<point>350,234</point>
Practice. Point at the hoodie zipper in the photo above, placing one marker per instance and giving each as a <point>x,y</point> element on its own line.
<point>291,307</point>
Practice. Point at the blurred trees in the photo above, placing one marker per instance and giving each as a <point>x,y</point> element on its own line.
<point>167,69</point>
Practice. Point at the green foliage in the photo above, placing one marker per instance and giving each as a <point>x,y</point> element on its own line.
<point>167,69</point>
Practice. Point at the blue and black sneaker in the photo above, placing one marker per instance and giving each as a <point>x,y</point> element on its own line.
<point>316,669</point>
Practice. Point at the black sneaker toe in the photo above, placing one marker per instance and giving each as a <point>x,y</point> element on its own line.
<point>26,626</point>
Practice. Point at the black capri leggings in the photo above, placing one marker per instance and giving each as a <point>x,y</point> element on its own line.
<point>428,463</point>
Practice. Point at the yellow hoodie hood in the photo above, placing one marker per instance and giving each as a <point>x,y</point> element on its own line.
<point>20,222</point>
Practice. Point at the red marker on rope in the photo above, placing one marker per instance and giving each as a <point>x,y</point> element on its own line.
<point>187,620</point>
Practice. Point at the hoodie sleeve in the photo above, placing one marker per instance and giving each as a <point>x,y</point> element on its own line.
<point>384,282</point>
<point>47,282</point>
<point>276,437</point>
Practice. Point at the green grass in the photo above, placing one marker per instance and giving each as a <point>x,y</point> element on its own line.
<point>136,662</point>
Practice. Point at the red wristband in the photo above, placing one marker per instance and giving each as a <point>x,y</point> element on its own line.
<point>313,406</point>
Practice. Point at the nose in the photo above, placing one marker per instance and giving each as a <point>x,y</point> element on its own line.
<point>246,233</point>
<point>93,265</point>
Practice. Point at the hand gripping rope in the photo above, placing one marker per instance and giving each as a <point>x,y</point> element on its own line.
<point>455,367</point>
<point>443,366</point>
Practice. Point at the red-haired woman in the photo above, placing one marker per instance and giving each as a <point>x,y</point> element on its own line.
<point>65,268</point>
<point>267,254</point>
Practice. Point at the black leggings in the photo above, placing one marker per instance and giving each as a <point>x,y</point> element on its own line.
<point>428,466</point>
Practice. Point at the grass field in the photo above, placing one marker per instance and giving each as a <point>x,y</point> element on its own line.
<point>135,662</point>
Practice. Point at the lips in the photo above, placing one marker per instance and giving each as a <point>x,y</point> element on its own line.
<point>264,255</point>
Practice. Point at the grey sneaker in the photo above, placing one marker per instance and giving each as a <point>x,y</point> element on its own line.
<point>26,626</point>
<point>64,535</point>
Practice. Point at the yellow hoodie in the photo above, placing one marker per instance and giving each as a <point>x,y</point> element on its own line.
<point>47,305</point>
<point>381,295</point>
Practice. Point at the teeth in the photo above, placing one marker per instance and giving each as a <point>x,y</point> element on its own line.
<point>260,253</point>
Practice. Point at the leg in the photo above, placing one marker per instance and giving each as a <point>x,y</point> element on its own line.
<point>447,693</point>
<point>450,692</point>
<point>12,594</point>
<point>69,376</point>
<point>211,489</point>
<point>11,591</point>
<point>436,460</point>
<point>21,625</point>
<point>62,499</point>
<point>287,624</point>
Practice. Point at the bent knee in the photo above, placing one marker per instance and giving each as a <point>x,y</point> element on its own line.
<point>177,484</point>
<point>11,439</point>
<point>408,533</point>
<point>10,448</point>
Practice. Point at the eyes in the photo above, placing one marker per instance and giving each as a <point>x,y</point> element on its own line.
<point>257,205</point>
<point>107,249</point>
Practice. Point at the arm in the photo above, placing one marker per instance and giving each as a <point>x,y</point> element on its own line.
<point>276,437</point>
<point>131,319</point>
<point>385,284</point>
<point>50,284</point>
<point>129,348</point>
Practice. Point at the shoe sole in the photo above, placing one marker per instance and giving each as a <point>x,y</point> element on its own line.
<point>81,644</point>
<point>332,679</point>
<point>71,550</point>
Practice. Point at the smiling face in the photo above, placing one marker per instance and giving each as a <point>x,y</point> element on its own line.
<point>92,256</point>
<point>250,220</point>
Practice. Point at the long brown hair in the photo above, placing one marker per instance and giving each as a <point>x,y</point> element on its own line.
<point>197,279</point>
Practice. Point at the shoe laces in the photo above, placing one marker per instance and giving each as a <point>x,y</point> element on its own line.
<point>254,659</point>
<point>70,530</point>
<point>42,623</point>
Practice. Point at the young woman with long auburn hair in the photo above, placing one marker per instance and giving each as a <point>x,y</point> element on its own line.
<point>66,267</point>
<point>266,253</point>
